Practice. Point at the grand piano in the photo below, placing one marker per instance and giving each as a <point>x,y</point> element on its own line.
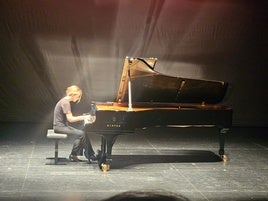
<point>147,98</point>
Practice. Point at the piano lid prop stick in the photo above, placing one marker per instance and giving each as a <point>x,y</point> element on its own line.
<point>129,93</point>
<point>129,96</point>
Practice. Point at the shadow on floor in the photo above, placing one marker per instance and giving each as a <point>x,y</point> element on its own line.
<point>184,156</point>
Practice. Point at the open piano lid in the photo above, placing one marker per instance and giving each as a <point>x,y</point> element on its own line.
<point>148,85</point>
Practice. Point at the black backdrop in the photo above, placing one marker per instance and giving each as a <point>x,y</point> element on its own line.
<point>47,45</point>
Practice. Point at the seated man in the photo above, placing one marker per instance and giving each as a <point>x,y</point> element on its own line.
<point>61,124</point>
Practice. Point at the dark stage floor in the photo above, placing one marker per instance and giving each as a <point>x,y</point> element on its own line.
<point>180,161</point>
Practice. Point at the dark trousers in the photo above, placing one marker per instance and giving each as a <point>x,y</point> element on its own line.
<point>81,141</point>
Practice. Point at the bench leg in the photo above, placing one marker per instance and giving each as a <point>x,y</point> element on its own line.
<point>57,159</point>
<point>56,151</point>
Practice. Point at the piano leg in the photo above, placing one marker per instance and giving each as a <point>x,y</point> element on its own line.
<point>105,158</point>
<point>223,131</point>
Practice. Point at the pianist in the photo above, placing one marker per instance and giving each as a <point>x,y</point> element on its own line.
<point>63,117</point>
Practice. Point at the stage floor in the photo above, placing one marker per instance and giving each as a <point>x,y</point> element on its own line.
<point>178,161</point>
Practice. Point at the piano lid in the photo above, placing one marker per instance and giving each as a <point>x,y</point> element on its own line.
<point>148,85</point>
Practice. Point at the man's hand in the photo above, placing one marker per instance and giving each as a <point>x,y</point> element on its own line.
<point>89,119</point>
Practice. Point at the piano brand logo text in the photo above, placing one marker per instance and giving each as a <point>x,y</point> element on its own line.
<point>113,125</point>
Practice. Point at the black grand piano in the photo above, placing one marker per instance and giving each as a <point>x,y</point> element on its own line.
<point>147,98</point>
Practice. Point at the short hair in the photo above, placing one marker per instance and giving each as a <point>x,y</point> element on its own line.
<point>74,89</point>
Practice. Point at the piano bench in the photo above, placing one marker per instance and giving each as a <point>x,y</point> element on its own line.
<point>56,137</point>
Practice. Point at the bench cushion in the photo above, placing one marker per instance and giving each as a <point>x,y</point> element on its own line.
<point>52,135</point>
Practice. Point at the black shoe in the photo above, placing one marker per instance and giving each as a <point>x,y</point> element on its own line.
<point>92,158</point>
<point>74,158</point>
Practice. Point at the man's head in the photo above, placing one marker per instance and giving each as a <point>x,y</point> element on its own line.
<point>74,92</point>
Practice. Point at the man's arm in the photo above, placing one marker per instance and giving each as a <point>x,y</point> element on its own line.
<point>72,119</point>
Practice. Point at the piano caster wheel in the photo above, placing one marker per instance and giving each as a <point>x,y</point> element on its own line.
<point>224,158</point>
<point>105,167</point>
